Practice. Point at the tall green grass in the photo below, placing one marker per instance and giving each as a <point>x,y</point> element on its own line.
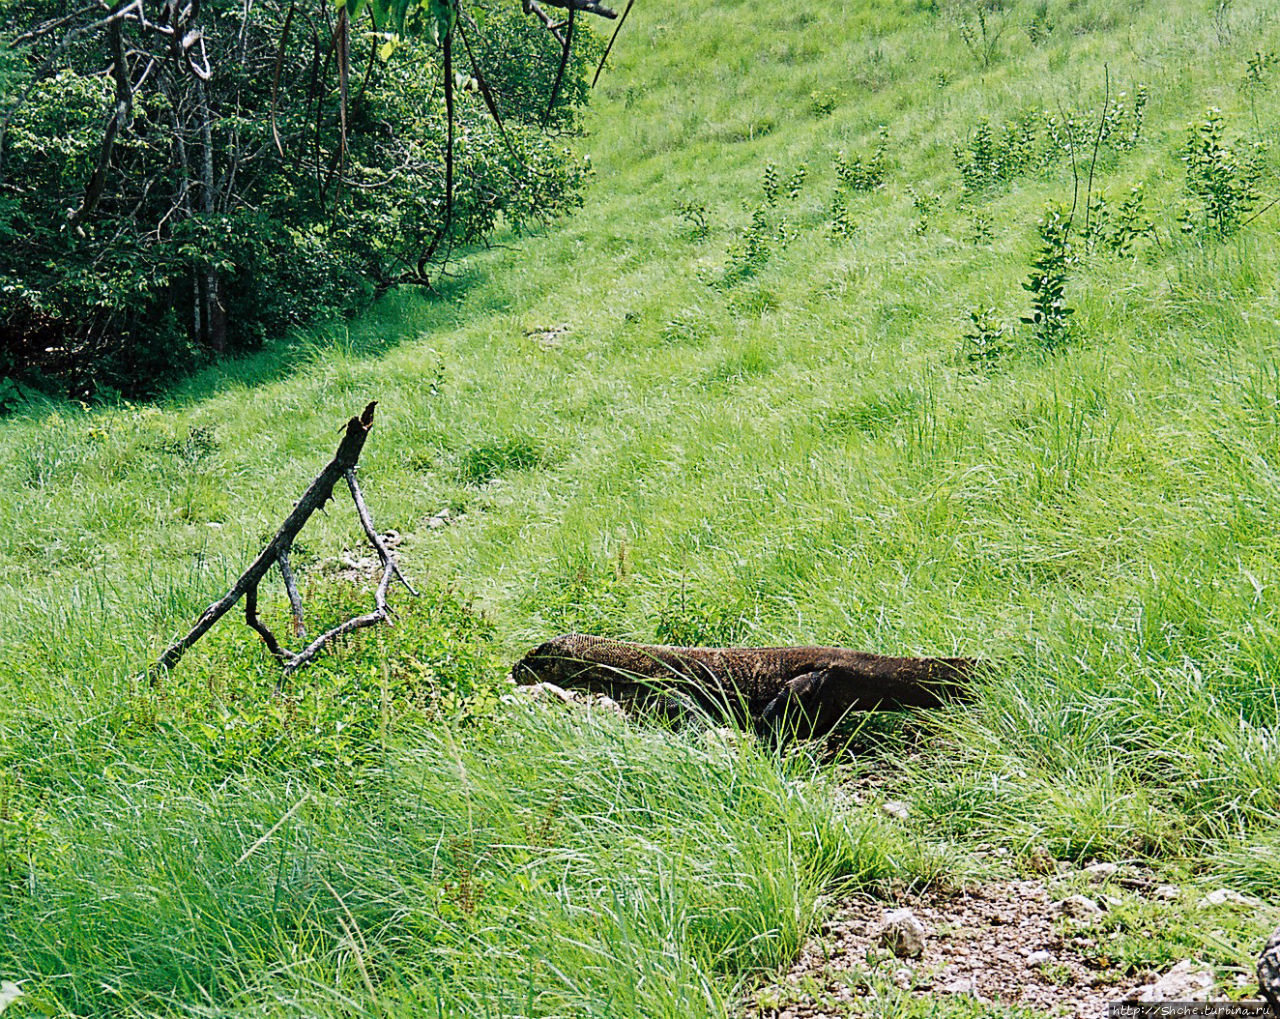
<point>795,453</point>
<point>550,864</point>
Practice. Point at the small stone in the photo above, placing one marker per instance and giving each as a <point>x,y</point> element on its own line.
<point>1100,872</point>
<point>896,808</point>
<point>1078,906</point>
<point>1040,860</point>
<point>904,978</point>
<point>1037,959</point>
<point>903,934</point>
<point>1167,892</point>
<point>961,985</point>
<point>9,993</point>
<point>606,703</point>
<point>1223,896</point>
<point>548,691</point>
<point>1187,981</point>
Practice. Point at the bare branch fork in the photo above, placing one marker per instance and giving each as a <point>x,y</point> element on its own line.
<point>318,493</point>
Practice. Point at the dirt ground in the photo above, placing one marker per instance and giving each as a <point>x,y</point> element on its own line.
<point>980,942</point>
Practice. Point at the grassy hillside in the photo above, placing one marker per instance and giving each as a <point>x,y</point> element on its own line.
<point>706,409</point>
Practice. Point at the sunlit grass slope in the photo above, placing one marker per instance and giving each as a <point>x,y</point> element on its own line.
<point>687,414</point>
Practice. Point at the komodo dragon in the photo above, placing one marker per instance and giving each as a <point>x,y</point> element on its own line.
<point>1269,972</point>
<point>794,691</point>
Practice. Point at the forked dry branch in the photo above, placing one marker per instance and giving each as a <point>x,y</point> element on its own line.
<point>320,491</point>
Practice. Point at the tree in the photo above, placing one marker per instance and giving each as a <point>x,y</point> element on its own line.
<point>180,178</point>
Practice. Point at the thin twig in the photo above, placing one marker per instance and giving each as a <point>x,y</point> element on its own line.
<point>1097,141</point>
<point>273,829</point>
<point>1075,172</point>
<point>291,589</point>
<point>564,62</point>
<point>618,28</point>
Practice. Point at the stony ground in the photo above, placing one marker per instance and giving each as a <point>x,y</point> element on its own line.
<point>1037,944</point>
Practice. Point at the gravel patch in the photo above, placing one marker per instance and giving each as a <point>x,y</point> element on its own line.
<point>1001,942</point>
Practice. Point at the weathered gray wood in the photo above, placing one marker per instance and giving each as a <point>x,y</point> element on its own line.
<point>295,599</point>
<point>318,493</point>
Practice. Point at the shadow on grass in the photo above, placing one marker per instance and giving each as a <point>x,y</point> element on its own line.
<point>401,315</point>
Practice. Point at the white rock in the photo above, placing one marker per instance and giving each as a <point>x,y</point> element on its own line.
<point>9,993</point>
<point>1167,892</point>
<point>1099,872</point>
<point>961,985</point>
<point>606,703</point>
<point>904,978</point>
<point>1078,906</point>
<point>903,934</point>
<point>1223,896</point>
<point>1037,959</point>
<point>549,691</point>
<point>896,808</point>
<point>1187,981</point>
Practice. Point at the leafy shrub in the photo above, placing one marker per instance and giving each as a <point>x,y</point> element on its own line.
<point>864,173</point>
<point>1050,316</point>
<point>749,253</point>
<point>822,104</point>
<point>1120,229</point>
<point>696,216</point>
<point>839,224</point>
<point>795,183</point>
<point>980,229</point>
<point>997,154</point>
<point>770,184</point>
<point>981,24</point>
<point>984,342</point>
<point>1224,180</point>
<point>925,206</point>
<point>1257,79</point>
<point>231,210</point>
<point>989,157</point>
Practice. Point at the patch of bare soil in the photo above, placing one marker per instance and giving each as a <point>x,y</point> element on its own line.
<point>997,943</point>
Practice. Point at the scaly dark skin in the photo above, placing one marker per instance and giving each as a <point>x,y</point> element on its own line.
<point>1269,972</point>
<point>799,692</point>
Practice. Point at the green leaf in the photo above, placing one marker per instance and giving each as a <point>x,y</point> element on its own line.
<point>442,14</point>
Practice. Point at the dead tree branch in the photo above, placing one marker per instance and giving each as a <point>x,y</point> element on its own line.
<point>276,553</point>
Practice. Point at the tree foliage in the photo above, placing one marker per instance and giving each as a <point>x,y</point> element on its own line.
<point>186,177</point>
